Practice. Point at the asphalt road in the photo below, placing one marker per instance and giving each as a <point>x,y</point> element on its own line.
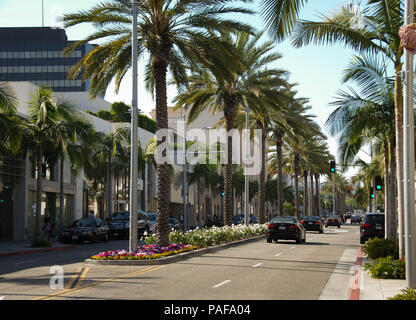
<point>253,271</point>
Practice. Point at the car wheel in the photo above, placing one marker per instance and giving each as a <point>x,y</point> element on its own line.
<point>269,240</point>
<point>298,240</point>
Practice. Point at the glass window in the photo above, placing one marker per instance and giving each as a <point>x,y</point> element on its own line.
<point>27,54</point>
<point>3,69</point>
<point>38,54</point>
<point>3,55</point>
<point>55,68</point>
<point>284,220</point>
<point>32,54</point>
<point>21,69</point>
<point>56,54</point>
<point>375,219</point>
<point>313,218</point>
<point>33,69</point>
<point>78,53</point>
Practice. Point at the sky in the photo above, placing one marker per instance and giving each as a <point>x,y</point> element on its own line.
<point>316,69</point>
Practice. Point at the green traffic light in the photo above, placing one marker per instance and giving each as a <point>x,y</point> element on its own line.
<point>372,196</point>
<point>378,187</point>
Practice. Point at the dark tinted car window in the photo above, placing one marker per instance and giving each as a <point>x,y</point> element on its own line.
<point>284,220</point>
<point>152,216</point>
<point>85,223</point>
<point>311,218</point>
<point>377,219</point>
<point>120,216</point>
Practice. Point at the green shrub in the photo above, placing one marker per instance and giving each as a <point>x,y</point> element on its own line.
<point>407,294</point>
<point>381,248</point>
<point>41,243</point>
<point>387,268</point>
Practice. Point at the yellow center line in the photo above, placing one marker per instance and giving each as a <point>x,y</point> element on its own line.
<point>70,283</point>
<point>78,288</point>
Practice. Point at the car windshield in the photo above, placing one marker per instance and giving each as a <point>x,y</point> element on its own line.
<point>120,216</point>
<point>172,221</point>
<point>84,223</point>
<point>375,219</point>
<point>333,217</point>
<point>311,218</point>
<point>152,216</point>
<point>284,220</point>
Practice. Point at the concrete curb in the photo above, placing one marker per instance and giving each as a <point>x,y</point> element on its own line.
<point>174,258</point>
<point>19,253</point>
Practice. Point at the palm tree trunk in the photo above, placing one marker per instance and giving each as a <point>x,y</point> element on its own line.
<point>392,193</point>
<point>38,194</point>
<point>386,189</point>
<point>305,193</point>
<point>262,176</point>
<point>312,202</point>
<point>398,97</point>
<point>318,196</point>
<point>279,143</point>
<point>229,114</point>
<point>110,189</point>
<point>163,178</point>
<point>296,167</point>
<point>61,195</point>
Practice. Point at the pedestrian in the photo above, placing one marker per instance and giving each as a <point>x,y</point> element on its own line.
<point>47,227</point>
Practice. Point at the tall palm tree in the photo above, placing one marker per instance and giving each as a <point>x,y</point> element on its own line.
<point>377,33</point>
<point>40,134</point>
<point>229,89</point>
<point>349,121</point>
<point>9,129</point>
<point>172,33</point>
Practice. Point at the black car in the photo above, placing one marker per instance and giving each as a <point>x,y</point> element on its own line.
<point>90,229</point>
<point>372,226</point>
<point>119,224</point>
<point>333,221</point>
<point>254,219</point>
<point>286,228</point>
<point>312,223</point>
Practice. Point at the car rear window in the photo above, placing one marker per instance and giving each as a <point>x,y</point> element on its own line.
<point>283,220</point>
<point>375,219</point>
<point>311,218</point>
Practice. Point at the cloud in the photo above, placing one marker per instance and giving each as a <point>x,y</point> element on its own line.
<point>53,14</point>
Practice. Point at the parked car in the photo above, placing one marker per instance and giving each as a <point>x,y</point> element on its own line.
<point>238,219</point>
<point>333,221</point>
<point>356,219</point>
<point>372,226</point>
<point>286,228</point>
<point>174,224</point>
<point>90,229</point>
<point>152,216</point>
<point>254,219</point>
<point>119,224</point>
<point>312,223</point>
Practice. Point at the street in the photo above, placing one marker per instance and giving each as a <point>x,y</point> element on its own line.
<point>252,271</point>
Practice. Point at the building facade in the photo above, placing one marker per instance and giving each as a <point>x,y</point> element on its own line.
<point>35,54</point>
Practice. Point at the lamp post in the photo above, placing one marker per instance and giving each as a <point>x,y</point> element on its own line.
<point>409,159</point>
<point>133,156</point>
<point>246,186</point>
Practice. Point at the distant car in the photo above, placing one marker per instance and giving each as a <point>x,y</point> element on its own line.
<point>152,221</point>
<point>372,226</point>
<point>356,219</point>
<point>119,224</point>
<point>254,219</point>
<point>174,224</point>
<point>90,229</point>
<point>333,221</point>
<point>238,219</point>
<point>312,223</point>
<point>286,228</point>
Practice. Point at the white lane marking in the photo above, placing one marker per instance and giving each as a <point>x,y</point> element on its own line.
<point>276,255</point>
<point>291,248</point>
<point>2,298</point>
<point>258,264</point>
<point>221,283</point>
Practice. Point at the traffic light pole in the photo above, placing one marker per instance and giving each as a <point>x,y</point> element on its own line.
<point>409,159</point>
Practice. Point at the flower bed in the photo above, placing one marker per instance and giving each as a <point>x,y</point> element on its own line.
<point>144,252</point>
<point>205,237</point>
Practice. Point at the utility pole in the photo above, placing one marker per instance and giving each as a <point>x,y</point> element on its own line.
<point>246,186</point>
<point>409,159</point>
<point>133,157</point>
<point>185,192</point>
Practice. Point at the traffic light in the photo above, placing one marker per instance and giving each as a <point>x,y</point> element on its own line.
<point>222,191</point>
<point>332,166</point>
<point>371,192</point>
<point>379,183</point>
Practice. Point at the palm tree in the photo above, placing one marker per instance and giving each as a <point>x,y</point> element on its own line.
<point>350,123</point>
<point>40,134</point>
<point>377,33</point>
<point>9,129</point>
<point>230,89</point>
<point>172,33</point>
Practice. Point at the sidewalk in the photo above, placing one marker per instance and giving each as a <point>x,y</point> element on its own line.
<point>14,248</point>
<point>378,289</point>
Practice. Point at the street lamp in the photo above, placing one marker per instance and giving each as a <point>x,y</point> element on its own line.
<point>246,187</point>
<point>133,156</point>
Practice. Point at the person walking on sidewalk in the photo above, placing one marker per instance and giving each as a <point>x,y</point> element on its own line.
<point>47,228</point>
